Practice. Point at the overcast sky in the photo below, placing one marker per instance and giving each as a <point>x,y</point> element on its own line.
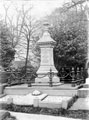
<point>41,8</point>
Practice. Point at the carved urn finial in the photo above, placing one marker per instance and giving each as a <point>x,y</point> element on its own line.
<point>46,25</point>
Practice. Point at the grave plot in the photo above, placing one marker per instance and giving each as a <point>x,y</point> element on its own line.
<point>38,99</point>
<point>55,102</point>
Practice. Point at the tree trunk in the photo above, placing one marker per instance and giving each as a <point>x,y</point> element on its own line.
<point>27,54</point>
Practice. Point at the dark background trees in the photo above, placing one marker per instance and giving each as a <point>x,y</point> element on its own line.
<point>69,30</point>
<point>6,50</point>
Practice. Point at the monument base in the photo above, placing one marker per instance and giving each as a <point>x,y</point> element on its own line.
<point>44,69</point>
<point>87,81</point>
<point>86,85</point>
<point>46,79</point>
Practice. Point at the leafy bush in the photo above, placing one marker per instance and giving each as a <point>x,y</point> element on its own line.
<point>70,33</point>
<point>7,50</point>
<point>18,76</point>
<point>30,74</point>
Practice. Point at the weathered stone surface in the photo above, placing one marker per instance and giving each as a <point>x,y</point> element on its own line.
<point>81,104</point>
<point>66,102</point>
<point>9,100</point>
<point>36,102</point>
<point>36,93</point>
<point>46,79</point>
<point>55,102</point>
<point>50,105</point>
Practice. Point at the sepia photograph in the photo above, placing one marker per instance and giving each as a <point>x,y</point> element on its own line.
<point>44,59</point>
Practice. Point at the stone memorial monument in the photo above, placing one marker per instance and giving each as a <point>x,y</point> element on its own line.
<point>46,44</point>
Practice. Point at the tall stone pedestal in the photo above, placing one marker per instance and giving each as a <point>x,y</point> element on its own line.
<point>46,44</point>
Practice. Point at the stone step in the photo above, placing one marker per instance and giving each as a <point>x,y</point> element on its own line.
<point>83,92</point>
<point>57,86</point>
<point>86,85</point>
<point>47,84</point>
<point>22,90</point>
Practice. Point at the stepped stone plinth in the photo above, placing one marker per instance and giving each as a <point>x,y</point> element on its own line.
<point>46,44</point>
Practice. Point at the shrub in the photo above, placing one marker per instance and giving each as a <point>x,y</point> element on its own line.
<point>81,114</point>
<point>30,74</point>
<point>18,76</point>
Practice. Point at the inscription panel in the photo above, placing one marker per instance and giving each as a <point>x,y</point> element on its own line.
<point>45,56</point>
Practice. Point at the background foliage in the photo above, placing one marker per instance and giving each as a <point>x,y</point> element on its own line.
<point>70,33</point>
<point>7,51</point>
